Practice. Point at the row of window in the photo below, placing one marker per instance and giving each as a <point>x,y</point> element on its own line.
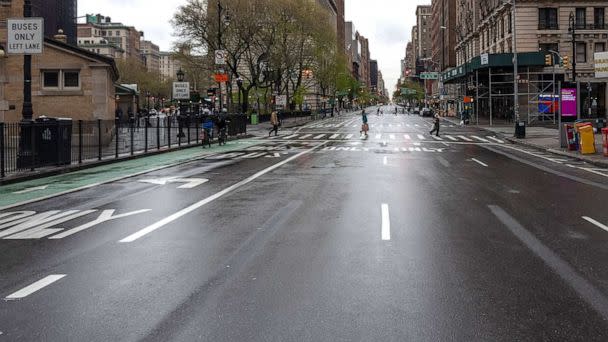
<point>548,19</point>
<point>494,33</point>
<point>61,80</point>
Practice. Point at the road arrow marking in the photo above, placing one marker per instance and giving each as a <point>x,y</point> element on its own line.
<point>36,188</point>
<point>190,182</point>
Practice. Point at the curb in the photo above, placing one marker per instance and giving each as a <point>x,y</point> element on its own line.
<point>515,141</point>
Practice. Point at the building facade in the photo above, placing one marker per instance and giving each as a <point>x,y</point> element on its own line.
<point>125,38</point>
<point>373,76</point>
<point>424,24</point>
<point>150,54</point>
<point>58,15</point>
<point>168,65</point>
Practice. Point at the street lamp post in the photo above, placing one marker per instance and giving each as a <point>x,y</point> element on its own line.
<point>515,66</point>
<point>572,29</point>
<point>239,83</point>
<point>26,144</point>
<point>180,77</point>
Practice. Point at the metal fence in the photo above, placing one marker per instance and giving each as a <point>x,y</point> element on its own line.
<point>60,144</point>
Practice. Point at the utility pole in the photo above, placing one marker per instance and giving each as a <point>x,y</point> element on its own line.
<point>515,66</point>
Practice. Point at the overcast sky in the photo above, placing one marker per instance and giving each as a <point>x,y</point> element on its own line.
<point>386,23</point>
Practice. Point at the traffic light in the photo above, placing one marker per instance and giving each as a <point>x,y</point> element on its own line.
<point>567,64</point>
<point>561,62</point>
<point>549,59</point>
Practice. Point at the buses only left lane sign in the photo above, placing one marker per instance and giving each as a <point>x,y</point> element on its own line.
<point>25,36</point>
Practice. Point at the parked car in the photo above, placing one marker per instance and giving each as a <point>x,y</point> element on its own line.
<point>416,110</point>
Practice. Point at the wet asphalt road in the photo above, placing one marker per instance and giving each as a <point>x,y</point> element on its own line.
<point>318,235</point>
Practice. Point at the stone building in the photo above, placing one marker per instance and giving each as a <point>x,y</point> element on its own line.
<point>66,81</point>
<point>150,54</point>
<point>125,38</point>
<point>484,52</point>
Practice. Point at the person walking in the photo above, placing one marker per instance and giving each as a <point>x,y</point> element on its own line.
<point>274,121</point>
<point>435,125</point>
<point>364,126</point>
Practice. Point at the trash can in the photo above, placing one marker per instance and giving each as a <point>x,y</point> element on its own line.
<point>605,141</point>
<point>255,119</point>
<point>53,144</point>
<point>587,139</point>
<point>520,130</point>
<point>571,141</point>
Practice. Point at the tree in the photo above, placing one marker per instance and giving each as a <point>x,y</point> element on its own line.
<point>133,71</point>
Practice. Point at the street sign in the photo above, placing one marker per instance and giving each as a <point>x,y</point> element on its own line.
<point>25,36</point>
<point>429,76</point>
<point>407,91</point>
<point>601,64</point>
<point>181,90</point>
<point>221,78</point>
<point>220,57</point>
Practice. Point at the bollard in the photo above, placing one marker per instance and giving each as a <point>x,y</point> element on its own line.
<point>99,139</point>
<point>117,134</point>
<point>79,141</point>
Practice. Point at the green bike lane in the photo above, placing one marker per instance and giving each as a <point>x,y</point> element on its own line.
<point>29,191</point>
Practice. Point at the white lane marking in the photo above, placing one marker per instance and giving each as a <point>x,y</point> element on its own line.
<point>451,137</point>
<point>596,223</point>
<point>465,138</point>
<point>392,137</point>
<point>437,138</point>
<point>417,125</point>
<point>480,162</point>
<point>421,137</point>
<point>335,136</point>
<point>349,136</point>
<point>385,160</point>
<point>36,188</point>
<point>305,136</point>
<point>386,223</point>
<point>153,227</point>
<point>319,136</point>
<point>496,140</point>
<point>480,139</point>
<point>37,286</point>
<point>407,137</point>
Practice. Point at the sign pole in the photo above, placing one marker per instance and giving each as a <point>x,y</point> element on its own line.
<point>27,111</point>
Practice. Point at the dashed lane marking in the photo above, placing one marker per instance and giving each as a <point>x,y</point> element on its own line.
<point>35,287</point>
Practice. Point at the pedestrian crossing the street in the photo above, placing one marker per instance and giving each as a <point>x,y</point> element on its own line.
<point>385,137</point>
<point>375,125</point>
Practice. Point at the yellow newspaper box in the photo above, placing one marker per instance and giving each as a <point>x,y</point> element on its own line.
<point>587,140</point>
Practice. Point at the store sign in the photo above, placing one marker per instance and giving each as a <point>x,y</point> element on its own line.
<point>601,65</point>
<point>485,59</point>
<point>569,102</point>
<point>25,36</point>
<point>181,90</point>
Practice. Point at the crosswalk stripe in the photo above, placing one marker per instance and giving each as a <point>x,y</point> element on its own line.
<point>437,138</point>
<point>496,140</point>
<point>335,136</point>
<point>465,138</point>
<point>480,139</point>
<point>319,136</point>
<point>291,136</point>
<point>421,137</point>
<point>349,136</point>
<point>451,137</point>
<point>306,136</point>
<point>407,137</point>
<point>392,136</point>
<point>378,136</point>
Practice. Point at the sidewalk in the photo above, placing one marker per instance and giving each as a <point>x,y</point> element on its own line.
<point>546,139</point>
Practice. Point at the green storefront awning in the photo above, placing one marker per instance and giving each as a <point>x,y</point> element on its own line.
<point>499,60</point>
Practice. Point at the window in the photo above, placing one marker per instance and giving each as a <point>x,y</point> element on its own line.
<point>71,79</point>
<point>581,18</point>
<point>110,33</point>
<point>598,18</point>
<point>50,79</point>
<point>546,47</point>
<point>509,23</point>
<point>581,52</point>
<point>61,79</point>
<point>547,19</point>
<point>600,47</point>
<point>117,33</point>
